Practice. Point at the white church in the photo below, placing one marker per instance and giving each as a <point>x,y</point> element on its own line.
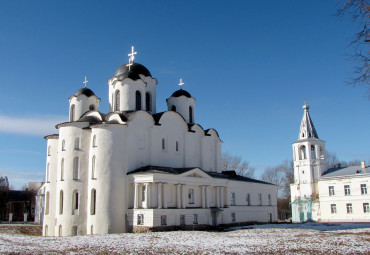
<point>321,194</point>
<point>135,169</point>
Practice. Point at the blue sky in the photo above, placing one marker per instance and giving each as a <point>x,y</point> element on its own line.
<point>249,64</point>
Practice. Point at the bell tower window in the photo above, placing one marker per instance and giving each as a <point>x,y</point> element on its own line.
<point>148,102</point>
<point>302,152</point>
<point>138,100</point>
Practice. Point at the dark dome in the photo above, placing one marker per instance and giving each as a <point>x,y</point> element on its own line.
<point>122,72</point>
<point>180,93</point>
<point>85,91</point>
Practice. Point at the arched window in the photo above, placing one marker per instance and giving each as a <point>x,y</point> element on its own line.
<point>93,202</point>
<point>47,201</point>
<point>73,113</point>
<point>48,172</point>
<point>77,144</point>
<point>163,144</point>
<point>61,202</point>
<point>75,168</point>
<point>177,146</point>
<point>62,170</point>
<point>49,151</point>
<point>138,100</point>
<point>302,152</point>
<point>94,141</point>
<point>148,102</point>
<point>190,114</point>
<point>93,166</point>
<point>92,107</point>
<point>74,230</point>
<point>118,101</point>
<point>63,145</point>
<point>75,201</point>
<point>173,108</point>
<point>313,152</point>
<point>60,230</point>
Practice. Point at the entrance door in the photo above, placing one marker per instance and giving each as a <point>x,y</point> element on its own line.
<point>214,218</point>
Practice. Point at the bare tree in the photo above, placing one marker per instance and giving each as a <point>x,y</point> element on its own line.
<point>331,159</point>
<point>281,175</point>
<point>241,167</point>
<point>359,11</point>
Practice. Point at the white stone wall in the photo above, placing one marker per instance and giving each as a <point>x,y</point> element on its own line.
<point>182,105</point>
<point>340,199</point>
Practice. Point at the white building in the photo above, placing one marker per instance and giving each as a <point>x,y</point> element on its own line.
<point>134,169</point>
<point>318,194</point>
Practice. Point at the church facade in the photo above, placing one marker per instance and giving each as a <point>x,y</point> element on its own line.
<point>135,169</point>
<point>321,194</point>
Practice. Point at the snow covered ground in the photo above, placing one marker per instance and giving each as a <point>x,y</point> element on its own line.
<point>267,239</point>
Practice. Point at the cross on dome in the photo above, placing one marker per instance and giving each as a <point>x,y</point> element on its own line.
<point>132,57</point>
<point>86,81</point>
<point>181,83</point>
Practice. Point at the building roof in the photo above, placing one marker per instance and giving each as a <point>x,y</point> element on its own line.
<point>133,73</point>
<point>84,91</point>
<point>229,175</point>
<point>346,171</point>
<point>307,129</point>
<point>181,92</point>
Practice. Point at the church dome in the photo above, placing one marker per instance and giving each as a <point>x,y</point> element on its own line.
<point>181,92</point>
<point>123,71</point>
<point>84,91</point>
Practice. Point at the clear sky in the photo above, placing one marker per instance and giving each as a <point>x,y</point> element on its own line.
<point>249,64</point>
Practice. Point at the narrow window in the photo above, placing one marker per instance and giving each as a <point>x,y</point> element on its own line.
<point>313,152</point>
<point>92,107</point>
<point>48,172</point>
<point>163,220</point>
<point>269,199</point>
<point>331,191</point>
<point>61,202</point>
<point>349,208</point>
<point>333,208</point>
<point>363,189</point>
<point>366,207</point>
<point>138,100</point>
<point>232,198</point>
<point>47,202</point>
<point>73,112</point>
<point>233,217</point>
<point>173,108</point>
<point>248,199</point>
<point>182,220</point>
<point>347,190</point>
<point>60,230</point>
<point>118,101</point>
<point>302,152</point>
<point>93,162</point>
<point>163,144</point>
<point>77,144</point>
<point>75,168</point>
<point>49,151</point>
<point>94,141</point>
<point>62,170</point>
<point>63,145</point>
<point>190,114</point>
<point>148,102</point>
<point>140,219</point>
<point>177,146</point>
<point>195,219</point>
<point>93,202</point>
<point>191,196</point>
<point>75,200</point>
<point>260,198</point>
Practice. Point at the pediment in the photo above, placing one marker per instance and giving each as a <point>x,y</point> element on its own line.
<point>196,172</point>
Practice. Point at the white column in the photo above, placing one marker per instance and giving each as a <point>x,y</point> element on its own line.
<point>159,189</point>
<point>222,197</point>
<point>317,150</point>
<point>218,196</point>
<point>136,195</point>
<point>164,195</point>
<point>227,198</point>
<point>207,196</point>
<point>178,195</point>
<point>146,195</point>
<point>183,196</point>
<point>203,196</point>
